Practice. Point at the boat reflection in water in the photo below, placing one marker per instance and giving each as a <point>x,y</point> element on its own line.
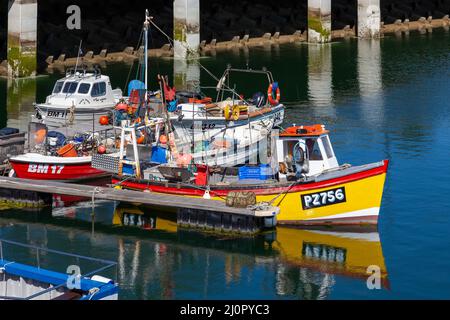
<point>323,253</point>
<point>158,260</point>
<point>306,261</point>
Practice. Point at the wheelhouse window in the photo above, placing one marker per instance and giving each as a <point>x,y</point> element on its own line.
<point>98,89</point>
<point>327,146</point>
<point>58,87</point>
<point>70,87</point>
<point>84,88</point>
<point>313,149</point>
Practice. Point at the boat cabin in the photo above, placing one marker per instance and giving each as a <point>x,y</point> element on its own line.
<point>81,88</point>
<point>304,151</point>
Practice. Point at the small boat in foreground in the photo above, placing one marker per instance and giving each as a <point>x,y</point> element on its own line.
<point>304,180</point>
<point>22,281</point>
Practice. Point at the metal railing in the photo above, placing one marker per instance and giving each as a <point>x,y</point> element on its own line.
<point>107,265</point>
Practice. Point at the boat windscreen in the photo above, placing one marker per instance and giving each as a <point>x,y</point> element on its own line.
<point>58,87</point>
<point>70,87</point>
<point>98,89</point>
<point>84,88</point>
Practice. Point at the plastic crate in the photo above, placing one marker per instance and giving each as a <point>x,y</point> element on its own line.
<point>159,154</point>
<point>260,172</point>
<point>128,169</point>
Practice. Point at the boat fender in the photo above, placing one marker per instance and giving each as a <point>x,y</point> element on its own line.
<point>122,107</point>
<point>163,139</point>
<point>12,173</point>
<point>104,120</point>
<point>101,150</point>
<point>140,140</point>
<point>273,87</point>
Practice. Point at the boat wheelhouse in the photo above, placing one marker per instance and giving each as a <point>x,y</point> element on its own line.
<point>81,95</point>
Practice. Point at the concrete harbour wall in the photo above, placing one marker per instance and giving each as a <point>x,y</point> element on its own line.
<point>115,25</point>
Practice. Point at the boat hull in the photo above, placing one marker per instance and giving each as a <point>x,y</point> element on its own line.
<point>57,117</point>
<point>67,172</point>
<point>356,196</point>
<point>215,124</point>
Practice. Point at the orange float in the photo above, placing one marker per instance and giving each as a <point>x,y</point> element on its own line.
<point>163,139</point>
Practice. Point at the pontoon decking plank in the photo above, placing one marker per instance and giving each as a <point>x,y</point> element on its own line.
<point>105,193</point>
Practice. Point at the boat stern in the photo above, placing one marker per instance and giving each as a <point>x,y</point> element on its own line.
<point>353,198</point>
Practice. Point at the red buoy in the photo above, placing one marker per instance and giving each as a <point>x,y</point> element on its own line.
<point>104,120</point>
<point>101,150</point>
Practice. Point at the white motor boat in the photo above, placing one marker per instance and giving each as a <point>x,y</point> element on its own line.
<point>81,96</point>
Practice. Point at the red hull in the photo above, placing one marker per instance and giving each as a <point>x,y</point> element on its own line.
<point>222,191</point>
<point>59,172</point>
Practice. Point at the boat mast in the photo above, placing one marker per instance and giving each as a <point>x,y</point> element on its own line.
<point>146,26</point>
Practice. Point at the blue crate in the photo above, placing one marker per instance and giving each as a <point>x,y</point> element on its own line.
<point>159,154</point>
<point>260,172</point>
<point>128,169</point>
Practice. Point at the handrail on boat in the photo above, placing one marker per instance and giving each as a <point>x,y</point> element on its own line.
<point>107,265</point>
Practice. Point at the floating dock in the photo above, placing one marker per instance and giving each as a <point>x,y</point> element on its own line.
<point>206,214</point>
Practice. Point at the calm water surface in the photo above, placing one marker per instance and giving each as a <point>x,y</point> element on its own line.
<point>387,99</point>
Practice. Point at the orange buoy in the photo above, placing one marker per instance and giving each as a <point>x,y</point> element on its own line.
<point>101,149</point>
<point>163,139</point>
<point>104,120</point>
<point>67,151</point>
<point>140,140</point>
<point>122,107</point>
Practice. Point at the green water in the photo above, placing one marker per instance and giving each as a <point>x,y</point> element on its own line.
<point>386,99</point>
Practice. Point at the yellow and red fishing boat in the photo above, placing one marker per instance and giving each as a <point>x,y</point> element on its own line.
<point>304,179</point>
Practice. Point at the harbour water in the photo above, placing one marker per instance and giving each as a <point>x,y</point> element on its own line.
<point>386,99</point>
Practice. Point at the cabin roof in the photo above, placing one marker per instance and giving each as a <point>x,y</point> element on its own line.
<point>88,77</point>
<point>304,131</point>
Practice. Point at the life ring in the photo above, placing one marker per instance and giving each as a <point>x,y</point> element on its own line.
<point>273,101</point>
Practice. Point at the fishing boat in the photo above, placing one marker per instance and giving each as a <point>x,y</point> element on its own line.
<point>301,176</point>
<point>195,112</point>
<point>81,96</point>
<point>25,281</point>
<point>53,156</point>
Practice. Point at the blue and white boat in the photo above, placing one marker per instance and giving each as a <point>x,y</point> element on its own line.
<point>22,281</point>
